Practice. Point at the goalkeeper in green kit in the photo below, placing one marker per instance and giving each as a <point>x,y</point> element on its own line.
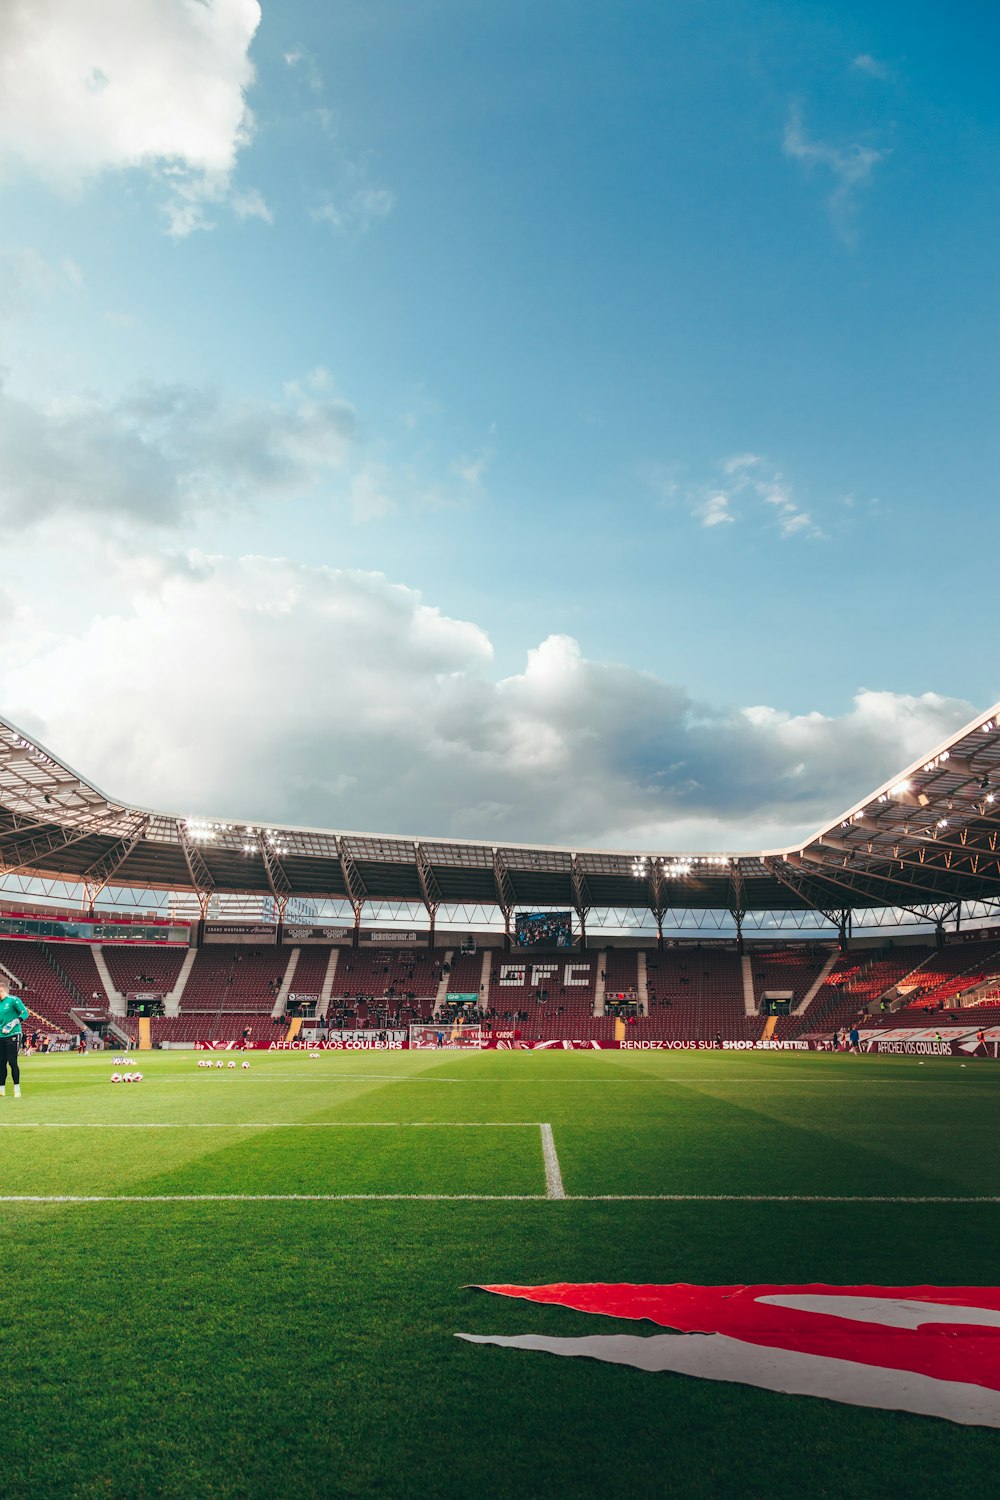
<point>12,1012</point>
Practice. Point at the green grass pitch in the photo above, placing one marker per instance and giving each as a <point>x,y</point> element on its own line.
<point>252,1289</point>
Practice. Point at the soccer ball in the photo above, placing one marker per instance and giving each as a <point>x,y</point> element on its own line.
<point>232,1065</point>
<point>220,1064</point>
<point>116,1078</point>
<point>246,1065</point>
<point>126,1078</point>
<point>136,1077</point>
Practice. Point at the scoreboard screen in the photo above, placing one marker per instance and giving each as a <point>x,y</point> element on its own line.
<point>543,929</point>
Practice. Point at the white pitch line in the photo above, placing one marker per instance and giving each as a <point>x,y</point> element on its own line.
<point>469,1198</point>
<point>553,1177</point>
<point>274,1198</point>
<point>770,1198</point>
<point>274,1125</point>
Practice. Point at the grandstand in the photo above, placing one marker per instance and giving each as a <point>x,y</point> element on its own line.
<point>917,851</point>
<point>688,992</point>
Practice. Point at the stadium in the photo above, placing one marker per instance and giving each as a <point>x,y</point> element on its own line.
<point>499,845</point>
<point>544,1106</point>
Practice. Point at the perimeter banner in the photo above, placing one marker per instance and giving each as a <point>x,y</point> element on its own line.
<point>904,1043</point>
<point>335,1041</point>
<point>501,1040</point>
<point>256,933</point>
<point>934,1041</point>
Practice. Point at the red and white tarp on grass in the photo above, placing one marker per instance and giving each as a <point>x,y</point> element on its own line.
<point>933,1350</point>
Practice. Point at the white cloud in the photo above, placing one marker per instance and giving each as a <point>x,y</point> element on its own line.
<point>160,452</point>
<point>850,166</point>
<point>300,57</point>
<point>353,213</point>
<point>160,456</point>
<point>749,475</point>
<point>473,468</point>
<point>370,497</point>
<point>739,462</point>
<point>251,205</point>
<point>792,520</point>
<point>714,509</point>
<point>338,698</point>
<point>27,278</point>
<point>865,63</point>
<point>92,86</point>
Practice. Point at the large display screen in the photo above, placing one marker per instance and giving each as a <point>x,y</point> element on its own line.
<point>91,932</point>
<point>543,929</point>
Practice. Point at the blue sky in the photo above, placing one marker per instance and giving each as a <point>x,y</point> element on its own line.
<point>516,398</point>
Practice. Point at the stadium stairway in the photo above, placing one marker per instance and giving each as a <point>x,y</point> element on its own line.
<point>294,1028</point>
<point>145,1034</point>
<point>749,998</point>
<point>816,986</point>
<point>769,1026</point>
<point>172,1001</point>
<point>285,984</point>
<point>642,983</point>
<point>599,984</point>
<point>326,988</point>
<point>444,983</point>
<point>35,1015</point>
<point>116,1000</point>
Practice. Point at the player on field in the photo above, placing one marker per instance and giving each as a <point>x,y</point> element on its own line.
<point>12,1012</point>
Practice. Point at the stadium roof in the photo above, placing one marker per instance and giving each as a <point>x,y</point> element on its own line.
<point>920,843</point>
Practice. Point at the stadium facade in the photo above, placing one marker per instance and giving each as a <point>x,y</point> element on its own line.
<point>921,848</point>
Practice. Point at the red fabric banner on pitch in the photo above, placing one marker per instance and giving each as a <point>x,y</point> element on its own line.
<point>933,1350</point>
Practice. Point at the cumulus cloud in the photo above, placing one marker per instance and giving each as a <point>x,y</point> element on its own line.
<point>91,86</point>
<point>850,166</point>
<point>264,689</point>
<point>162,451</point>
